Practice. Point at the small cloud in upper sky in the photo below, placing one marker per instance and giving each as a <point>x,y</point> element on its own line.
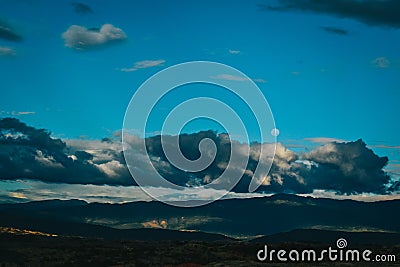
<point>7,51</point>
<point>259,80</point>
<point>81,8</point>
<point>144,65</point>
<point>234,52</point>
<point>230,77</point>
<point>335,30</point>
<point>381,62</point>
<point>8,33</point>
<point>82,38</point>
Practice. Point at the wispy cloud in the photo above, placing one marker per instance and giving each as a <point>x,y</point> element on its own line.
<point>324,140</point>
<point>381,62</point>
<point>6,51</point>
<point>230,77</point>
<point>25,113</point>
<point>17,113</point>
<point>366,197</point>
<point>82,38</point>
<point>234,52</point>
<point>30,190</point>
<point>144,65</point>
<point>385,146</point>
<point>259,80</point>
<point>335,30</point>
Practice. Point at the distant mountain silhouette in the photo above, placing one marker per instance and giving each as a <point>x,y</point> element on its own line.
<point>234,217</point>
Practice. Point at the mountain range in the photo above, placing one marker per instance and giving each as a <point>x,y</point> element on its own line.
<point>276,218</point>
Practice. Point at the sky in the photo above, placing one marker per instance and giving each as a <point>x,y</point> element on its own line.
<point>328,69</point>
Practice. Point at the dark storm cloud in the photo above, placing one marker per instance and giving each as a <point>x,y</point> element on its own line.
<point>335,30</point>
<point>345,168</point>
<point>188,144</point>
<point>81,8</point>
<point>8,33</point>
<point>371,12</point>
<point>30,153</point>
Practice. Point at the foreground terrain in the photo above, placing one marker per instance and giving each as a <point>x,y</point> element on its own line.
<point>39,249</point>
<point>224,233</point>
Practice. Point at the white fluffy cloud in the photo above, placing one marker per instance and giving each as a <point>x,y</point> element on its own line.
<point>81,38</point>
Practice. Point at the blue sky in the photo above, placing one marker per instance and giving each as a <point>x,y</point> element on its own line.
<point>318,83</point>
<point>323,74</point>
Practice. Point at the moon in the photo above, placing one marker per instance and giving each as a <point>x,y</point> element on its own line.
<point>275,132</point>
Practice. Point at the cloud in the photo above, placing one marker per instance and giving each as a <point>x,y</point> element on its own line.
<point>30,190</point>
<point>7,51</point>
<point>25,113</point>
<point>27,152</point>
<point>81,38</point>
<point>234,52</point>
<point>81,8</point>
<point>335,30</point>
<point>230,77</point>
<point>371,12</point>
<point>18,113</point>
<point>324,140</point>
<point>347,168</point>
<point>366,197</point>
<point>259,80</point>
<point>385,146</point>
<point>344,168</point>
<point>144,65</point>
<point>381,62</point>
<point>8,33</point>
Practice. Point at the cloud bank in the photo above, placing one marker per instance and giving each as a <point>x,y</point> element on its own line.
<point>344,168</point>
<point>82,38</point>
<point>371,12</point>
